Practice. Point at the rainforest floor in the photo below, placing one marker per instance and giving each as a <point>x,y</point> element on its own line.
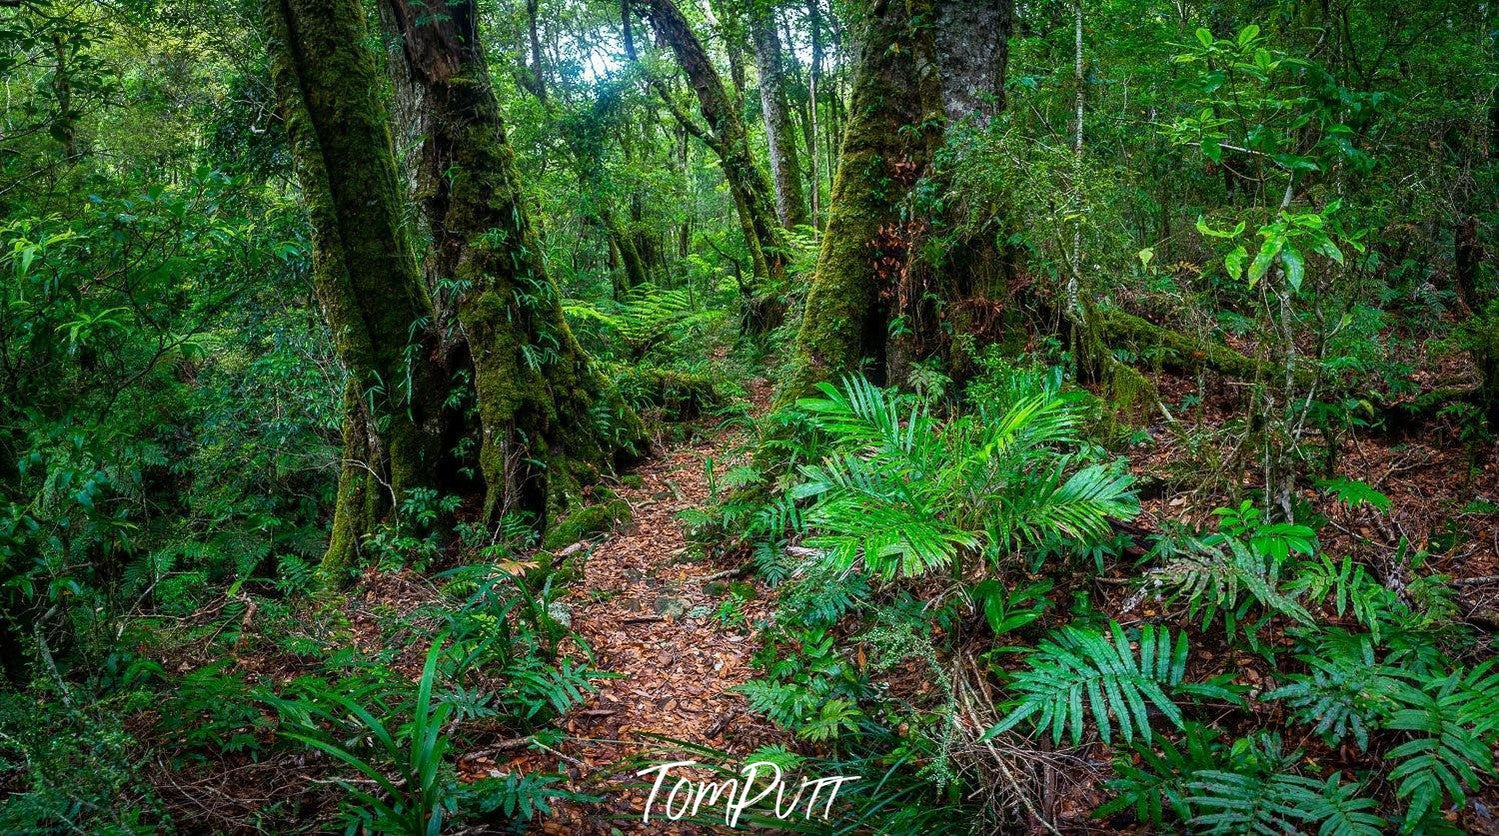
<point>673,621</point>
<point>651,608</point>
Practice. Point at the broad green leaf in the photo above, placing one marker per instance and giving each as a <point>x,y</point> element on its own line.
<point>1290,257</point>
<point>1234,261</point>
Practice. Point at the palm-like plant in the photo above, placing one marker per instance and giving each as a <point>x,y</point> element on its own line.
<point>908,491</point>
<point>411,790</point>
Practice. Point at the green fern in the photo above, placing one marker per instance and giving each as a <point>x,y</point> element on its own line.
<point>1160,781</point>
<point>1227,576</point>
<point>1261,794</point>
<point>1342,694</point>
<point>1451,721</point>
<point>1349,588</point>
<point>907,493</point>
<point>1080,667</point>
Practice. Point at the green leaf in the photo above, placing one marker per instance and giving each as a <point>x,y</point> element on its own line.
<point>1290,258</point>
<point>1264,258</point>
<point>1234,261</point>
<point>1212,149</point>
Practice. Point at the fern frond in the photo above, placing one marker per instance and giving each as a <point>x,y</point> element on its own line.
<point>1081,667</point>
<point>1447,754</point>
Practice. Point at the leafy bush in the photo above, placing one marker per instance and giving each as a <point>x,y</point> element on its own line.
<point>907,492</point>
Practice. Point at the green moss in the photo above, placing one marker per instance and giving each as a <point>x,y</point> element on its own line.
<point>632,480</point>
<point>1133,394</point>
<point>1486,353</point>
<point>585,522</point>
<point>538,394</point>
<point>365,273</point>
<point>887,144</point>
<point>1170,349</point>
<point>678,395</point>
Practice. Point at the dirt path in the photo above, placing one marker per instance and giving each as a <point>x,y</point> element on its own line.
<point>649,608</point>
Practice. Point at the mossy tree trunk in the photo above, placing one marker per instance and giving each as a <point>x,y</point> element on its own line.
<point>726,136</point>
<point>923,65</point>
<point>956,281</point>
<point>538,395</point>
<point>631,264</point>
<point>785,168</point>
<point>365,273</point>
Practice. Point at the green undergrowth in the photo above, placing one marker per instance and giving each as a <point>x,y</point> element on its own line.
<point>936,628</point>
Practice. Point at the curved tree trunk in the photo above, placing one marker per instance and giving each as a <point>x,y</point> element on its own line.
<point>785,169</point>
<point>537,393</point>
<point>748,184</point>
<point>365,273</point>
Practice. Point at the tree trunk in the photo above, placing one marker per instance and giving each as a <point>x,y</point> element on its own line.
<point>1483,325</point>
<point>630,261</point>
<point>538,66</point>
<point>785,169</point>
<point>536,389</point>
<point>924,66</point>
<point>972,42</point>
<point>814,82</point>
<point>748,184</point>
<point>960,291</point>
<point>364,271</point>
<point>887,145</point>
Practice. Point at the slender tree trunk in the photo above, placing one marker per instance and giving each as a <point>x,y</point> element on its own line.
<point>364,271</point>
<point>814,21</point>
<point>62,87</point>
<point>785,169</point>
<point>1074,278</point>
<point>749,185</point>
<point>732,34</point>
<point>536,390</point>
<point>627,27</point>
<point>538,66</point>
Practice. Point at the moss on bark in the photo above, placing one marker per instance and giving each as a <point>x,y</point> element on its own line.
<point>893,128</point>
<point>585,522</point>
<point>364,270</point>
<point>1486,354</point>
<point>538,395</point>
<point>679,395</point>
<point>1169,349</point>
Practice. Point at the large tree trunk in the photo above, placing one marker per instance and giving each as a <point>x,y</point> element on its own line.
<point>887,145</point>
<point>924,67</point>
<point>747,182</point>
<point>972,42</point>
<point>537,393</point>
<point>365,273</point>
<point>785,169</point>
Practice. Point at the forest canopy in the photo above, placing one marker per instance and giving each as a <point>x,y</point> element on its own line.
<point>434,415</point>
